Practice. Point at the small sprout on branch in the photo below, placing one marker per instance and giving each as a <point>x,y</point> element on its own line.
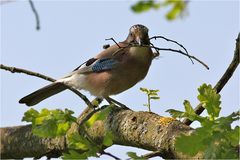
<point>152,95</point>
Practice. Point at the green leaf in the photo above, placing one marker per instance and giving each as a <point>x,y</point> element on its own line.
<point>220,148</point>
<point>134,156</point>
<point>188,107</point>
<point>49,123</point>
<point>215,139</point>
<point>68,116</point>
<point>153,94</point>
<point>80,147</point>
<point>154,90</point>
<point>192,144</point>
<point>108,139</point>
<point>178,7</point>
<point>62,128</point>
<point>101,115</point>
<point>30,115</point>
<point>43,115</point>
<point>175,113</point>
<point>76,141</point>
<point>156,98</point>
<point>233,136</point>
<point>144,90</point>
<point>210,100</point>
<point>190,113</point>
<point>72,154</point>
<point>143,6</point>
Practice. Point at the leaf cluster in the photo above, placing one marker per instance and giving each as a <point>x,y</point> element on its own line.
<point>215,138</point>
<point>177,7</point>
<point>53,123</point>
<point>82,147</point>
<point>49,123</point>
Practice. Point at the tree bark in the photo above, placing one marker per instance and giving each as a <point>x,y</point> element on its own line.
<point>138,129</point>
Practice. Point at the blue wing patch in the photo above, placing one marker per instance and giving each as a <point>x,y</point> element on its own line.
<point>104,64</point>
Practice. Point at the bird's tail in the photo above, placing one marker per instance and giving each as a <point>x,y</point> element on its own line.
<point>43,93</point>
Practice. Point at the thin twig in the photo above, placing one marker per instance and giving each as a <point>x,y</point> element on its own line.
<point>31,73</point>
<point>19,70</point>
<point>224,79</point>
<point>109,154</point>
<point>181,52</point>
<point>82,96</point>
<point>165,49</point>
<point>167,39</point>
<point>151,155</point>
<point>36,14</point>
<point>89,115</point>
<point>112,39</point>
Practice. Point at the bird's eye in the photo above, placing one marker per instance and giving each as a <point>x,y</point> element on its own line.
<point>131,34</point>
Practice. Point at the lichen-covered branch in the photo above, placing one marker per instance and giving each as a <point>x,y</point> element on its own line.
<point>138,129</point>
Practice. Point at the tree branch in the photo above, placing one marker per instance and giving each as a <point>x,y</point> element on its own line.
<point>138,129</point>
<point>35,14</point>
<point>31,73</point>
<point>223,80</point>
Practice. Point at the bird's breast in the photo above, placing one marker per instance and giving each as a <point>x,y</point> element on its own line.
<point>133,67</point>
<point>141,54</point>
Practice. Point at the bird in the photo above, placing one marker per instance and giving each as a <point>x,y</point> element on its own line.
<point>112,71</point>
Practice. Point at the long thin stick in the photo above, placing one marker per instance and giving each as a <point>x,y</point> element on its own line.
<point>170,40</point>
<point>31,73</point>
<point>112,39</point>
<point>163,49</point>
<point>181,52</point>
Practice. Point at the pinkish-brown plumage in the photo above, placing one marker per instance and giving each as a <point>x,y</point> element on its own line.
<point>111,72</point>
<point>133,67</point>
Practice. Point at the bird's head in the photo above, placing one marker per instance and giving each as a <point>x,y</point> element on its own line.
<point>138,34</point>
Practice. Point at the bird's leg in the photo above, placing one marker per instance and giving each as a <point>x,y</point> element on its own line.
<point>113,101</point>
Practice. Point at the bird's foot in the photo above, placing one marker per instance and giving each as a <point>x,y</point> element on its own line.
<point>113,101</point>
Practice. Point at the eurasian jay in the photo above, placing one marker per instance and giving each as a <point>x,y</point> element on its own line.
<point>111,72</point>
